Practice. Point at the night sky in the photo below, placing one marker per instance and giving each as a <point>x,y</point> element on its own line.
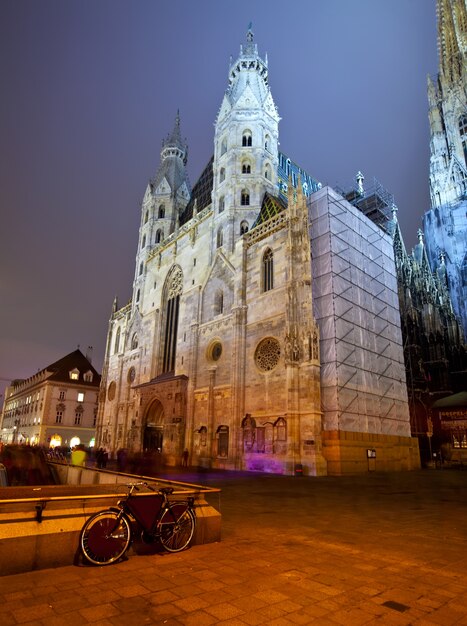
<point>90,89</point>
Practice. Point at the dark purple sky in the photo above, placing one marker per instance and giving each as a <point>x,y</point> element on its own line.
<point>90,89</point>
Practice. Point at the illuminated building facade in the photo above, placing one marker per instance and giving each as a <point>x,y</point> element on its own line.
<point>445,224</point>
<point>218,350</point>
<point>55,407</point>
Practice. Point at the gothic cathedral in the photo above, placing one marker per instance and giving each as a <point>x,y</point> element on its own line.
<point>218,350</point>
<point>445,225</point>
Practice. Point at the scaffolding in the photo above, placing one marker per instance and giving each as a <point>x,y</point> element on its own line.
<point>375,202</point>
<point>356,306</point>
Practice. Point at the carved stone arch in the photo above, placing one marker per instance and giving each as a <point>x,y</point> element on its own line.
<point>173,285</point>
<point>153,430</point>
<point>171,294</point>
<point>247,138</point>
<point>221,278</point>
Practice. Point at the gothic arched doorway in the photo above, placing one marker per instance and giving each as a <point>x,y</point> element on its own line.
<point>153,430</point>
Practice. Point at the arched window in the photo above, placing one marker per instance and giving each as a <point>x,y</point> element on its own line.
<point>267,143</point>
<point>143,243</point>
<point>159,236</point>
<point>140,269</point>
<point>134,341</point>
<point>146,217</point>
<point>246,138</point>
<point>267,171</point>
<point>222,175</point>
<point>172,292</point>
<point>137,295</point>
<point>117,342</point>
<point>161,212</point>
<point>243,227</point>
<point>245,197</point>
<point>463,133</point>
<point>220,238</point>
<point>223,146</point>
<point>268,270</point>
<point>222,435</point>
<point>221,204</point>
<point>218,303</point>
<point>281,429</point>
<point>246,168</point>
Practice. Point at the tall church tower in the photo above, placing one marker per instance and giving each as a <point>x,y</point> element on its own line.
<point>445,225</point>
<point>245,147</point>
<point>166,196</point>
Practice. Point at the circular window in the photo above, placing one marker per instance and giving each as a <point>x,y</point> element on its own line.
<point>267,354</point>
<point>215,351</point>
<point>131,374</point>
<point>111,391</point>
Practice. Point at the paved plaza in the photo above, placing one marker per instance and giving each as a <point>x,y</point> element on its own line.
<point>373,549</point>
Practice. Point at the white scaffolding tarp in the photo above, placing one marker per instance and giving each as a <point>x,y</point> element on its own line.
<point>355,302</point>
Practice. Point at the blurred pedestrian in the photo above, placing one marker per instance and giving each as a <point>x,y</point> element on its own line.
<point>79,455</point>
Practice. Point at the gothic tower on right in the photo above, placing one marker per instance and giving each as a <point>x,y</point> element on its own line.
<point>445,224</point>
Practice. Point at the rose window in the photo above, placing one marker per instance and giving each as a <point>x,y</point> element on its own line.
<point>267,354</point>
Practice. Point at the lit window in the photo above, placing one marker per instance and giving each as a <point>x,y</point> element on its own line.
<point>80,396</point>
<point>74,374</point>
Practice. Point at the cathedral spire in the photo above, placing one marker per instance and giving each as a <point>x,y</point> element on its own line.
<point>452,25</point>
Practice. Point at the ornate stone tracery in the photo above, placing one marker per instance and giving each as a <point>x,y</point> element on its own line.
<point>176,283</point>
<point>267,354</point>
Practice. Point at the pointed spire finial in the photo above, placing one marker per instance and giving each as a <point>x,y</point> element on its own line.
<point>420,236</point>
<point>360,178</point>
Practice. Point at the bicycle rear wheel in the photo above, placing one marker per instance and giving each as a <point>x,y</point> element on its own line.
<point>105,537</point>
<point>177,527</point>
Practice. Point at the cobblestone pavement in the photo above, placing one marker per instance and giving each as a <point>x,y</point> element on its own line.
<point>376,549</point>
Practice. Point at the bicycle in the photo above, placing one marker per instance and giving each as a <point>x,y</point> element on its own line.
<point>107,535</point>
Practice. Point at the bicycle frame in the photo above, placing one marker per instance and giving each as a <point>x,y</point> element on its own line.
<point>106,536</point>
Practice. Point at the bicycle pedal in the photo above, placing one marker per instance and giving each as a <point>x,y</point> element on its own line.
<point>147,538</point>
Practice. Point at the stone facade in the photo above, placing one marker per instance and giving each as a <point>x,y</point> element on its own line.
<point>445,224</point>
<point>57,406</point>
<point>218,350</point>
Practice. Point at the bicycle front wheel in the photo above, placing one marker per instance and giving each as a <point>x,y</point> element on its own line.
<point>105,537</point>
<point>177,527</point>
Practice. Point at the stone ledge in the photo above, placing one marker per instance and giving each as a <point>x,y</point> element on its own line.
<point>28,544</point>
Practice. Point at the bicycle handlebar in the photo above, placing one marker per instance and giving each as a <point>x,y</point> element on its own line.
<point>166,491</point>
